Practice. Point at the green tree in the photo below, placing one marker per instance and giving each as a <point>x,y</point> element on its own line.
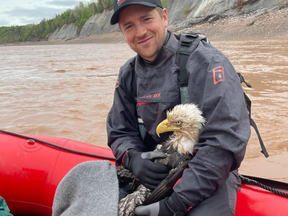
<point>107,4</point>
<point>164,3</point>
<point>79,16</point>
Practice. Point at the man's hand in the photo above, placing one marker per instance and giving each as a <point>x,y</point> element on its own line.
<point>144,169</point>
<point>170,206</point>
<point>148,210</point>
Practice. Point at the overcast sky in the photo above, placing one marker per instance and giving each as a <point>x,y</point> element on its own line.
<point>22,12</point>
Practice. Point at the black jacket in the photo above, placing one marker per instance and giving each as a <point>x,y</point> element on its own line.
<point>213,85</point>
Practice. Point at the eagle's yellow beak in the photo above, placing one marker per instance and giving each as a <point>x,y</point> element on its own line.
<point>165,126</point>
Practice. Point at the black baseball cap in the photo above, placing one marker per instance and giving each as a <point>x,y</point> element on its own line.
<point>119,5</point>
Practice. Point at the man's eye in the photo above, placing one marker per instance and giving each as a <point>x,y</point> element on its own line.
<point>147,19</point>
<point>128,27</point>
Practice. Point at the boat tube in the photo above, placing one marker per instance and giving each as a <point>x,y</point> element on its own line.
<point>31,167</point>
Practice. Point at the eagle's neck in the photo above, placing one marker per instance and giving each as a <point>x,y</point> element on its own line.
<point>183,144</point>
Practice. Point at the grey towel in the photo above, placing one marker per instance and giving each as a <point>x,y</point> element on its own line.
<point>90,188</point>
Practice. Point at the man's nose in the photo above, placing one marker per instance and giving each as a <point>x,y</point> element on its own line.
<point>140,30</point>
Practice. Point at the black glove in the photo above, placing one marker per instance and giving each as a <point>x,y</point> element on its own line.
<point>144,169</point>
<point>170,206</point>
<point>148,210</point>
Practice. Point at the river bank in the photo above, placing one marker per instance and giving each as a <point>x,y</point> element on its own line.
<point>258,26</point>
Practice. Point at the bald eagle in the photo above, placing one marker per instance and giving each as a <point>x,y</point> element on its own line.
<point>186,122</point>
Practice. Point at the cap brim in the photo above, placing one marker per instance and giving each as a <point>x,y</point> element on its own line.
<point>115,17</point>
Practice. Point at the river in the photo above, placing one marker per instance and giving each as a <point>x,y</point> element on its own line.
<point>66,91</point>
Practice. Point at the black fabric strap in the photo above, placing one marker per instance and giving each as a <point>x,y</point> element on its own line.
<point>264,151</point>
<point>133,84</point>
<point>188,43</point>
<point>252,122</point>
<point>242,80</point>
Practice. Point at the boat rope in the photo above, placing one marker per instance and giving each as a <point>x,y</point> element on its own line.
<point>58,147</point>
<point>268,188</point>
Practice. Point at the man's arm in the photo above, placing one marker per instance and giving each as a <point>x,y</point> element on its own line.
<point>122,123</point>
<point>125,140</point>
<point>215,86</point>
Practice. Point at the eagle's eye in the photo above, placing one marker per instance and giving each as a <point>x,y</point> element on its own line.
<point>178,123</point>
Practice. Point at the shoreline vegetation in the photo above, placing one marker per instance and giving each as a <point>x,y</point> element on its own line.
<point>268,26</point>
<point>41,31</point>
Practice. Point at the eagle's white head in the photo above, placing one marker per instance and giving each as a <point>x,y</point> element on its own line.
<point>186,121</point>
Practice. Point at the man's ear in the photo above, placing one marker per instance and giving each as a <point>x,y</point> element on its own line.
<point>165,17</point>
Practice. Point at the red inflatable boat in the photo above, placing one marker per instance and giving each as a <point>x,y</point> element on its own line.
<point>32,167</point>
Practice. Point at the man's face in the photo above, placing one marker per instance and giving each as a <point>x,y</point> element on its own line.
<point>144,29</point>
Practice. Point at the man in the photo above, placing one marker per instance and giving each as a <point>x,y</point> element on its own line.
<point>209,185</point>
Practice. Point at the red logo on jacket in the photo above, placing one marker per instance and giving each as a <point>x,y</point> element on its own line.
<point>119,2</point>
<point>218,74</point>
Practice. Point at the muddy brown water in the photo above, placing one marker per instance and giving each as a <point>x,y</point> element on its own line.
<point>66,91</point>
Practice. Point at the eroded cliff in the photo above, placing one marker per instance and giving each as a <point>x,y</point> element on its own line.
<point>182,14</point>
